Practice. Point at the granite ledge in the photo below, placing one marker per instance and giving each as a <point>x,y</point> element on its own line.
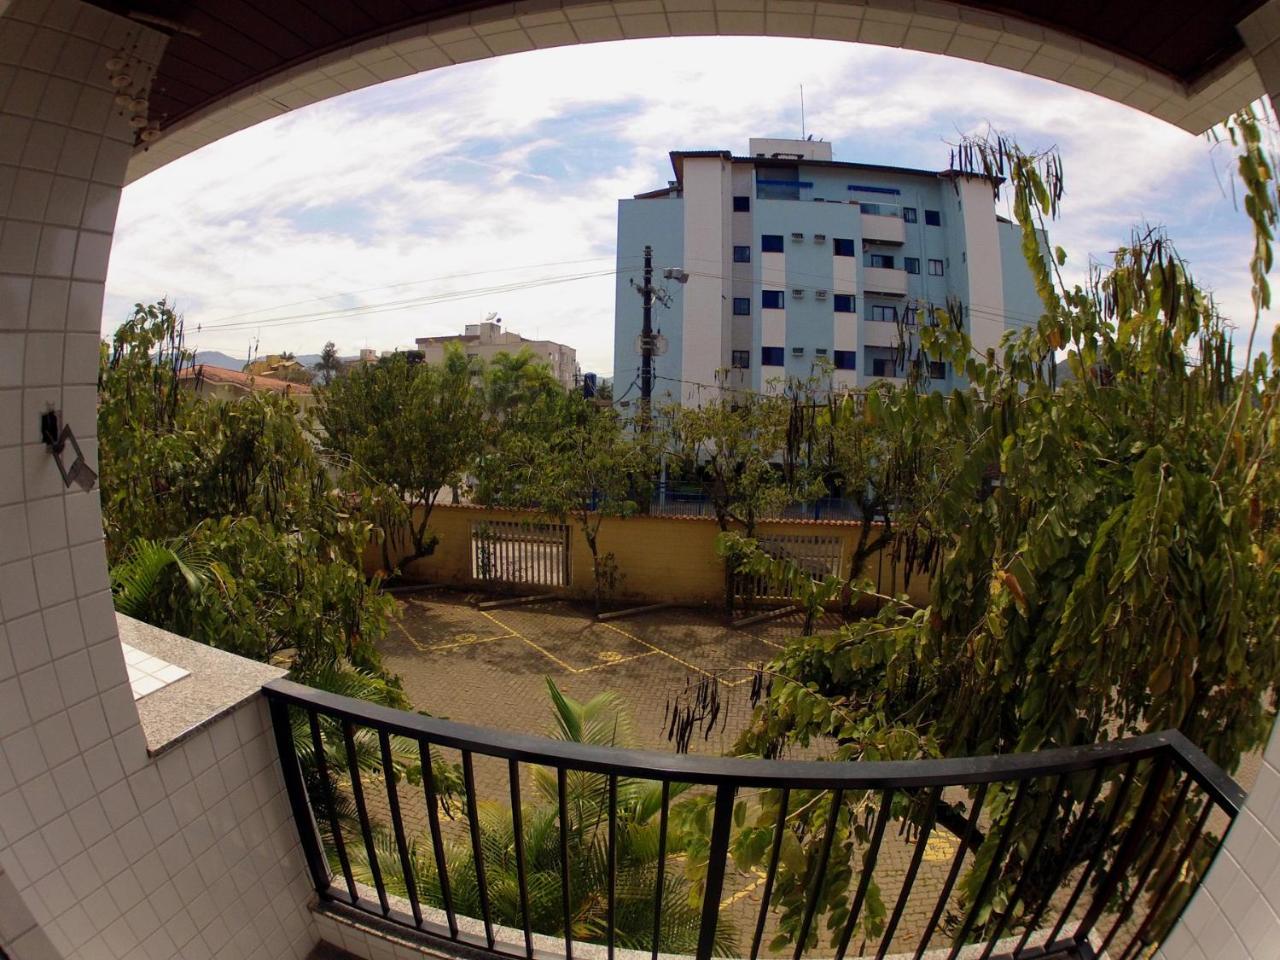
<point>218,684</point>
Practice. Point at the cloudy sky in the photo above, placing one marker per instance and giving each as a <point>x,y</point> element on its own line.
<point>422,204</point>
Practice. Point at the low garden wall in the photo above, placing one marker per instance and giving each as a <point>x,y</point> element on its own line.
<point>659,559</point>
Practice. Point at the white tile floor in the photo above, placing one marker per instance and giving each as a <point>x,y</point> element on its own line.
<point>147,674</point>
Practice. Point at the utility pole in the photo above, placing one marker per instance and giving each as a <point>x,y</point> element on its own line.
<point>646,342</point>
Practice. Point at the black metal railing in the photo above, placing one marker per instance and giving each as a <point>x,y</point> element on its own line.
<point>1061,853</point>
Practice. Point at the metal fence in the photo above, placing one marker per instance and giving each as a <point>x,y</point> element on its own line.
<point>819,556</point>
<point>683,504</point>
<point>506,552</point>
<point>1064,853</point>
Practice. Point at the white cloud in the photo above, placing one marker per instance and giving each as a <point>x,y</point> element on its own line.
<point>498,165</point>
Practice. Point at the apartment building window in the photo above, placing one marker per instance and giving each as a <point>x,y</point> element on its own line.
<point>771,243</point>
<point>882,367</point>
<point>741,359</point>
<point>909,215</point>
<point>771,299</point>
<point>937,370</point>
<point>933,218</point>
<point>846,360</point>
<point>881,260</point>
<point>935,268</point>
<point>820,351</point>
<point>911,264</point>
<point>742,306</point>
<point>846,303</point>
<point>771,356</point>
<point>886,314</point>
<point>741,204</point>
<point>741,254</point>
<point>842,247</point>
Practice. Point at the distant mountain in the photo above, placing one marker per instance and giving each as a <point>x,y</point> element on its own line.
<point>214,358</point>
<point>308,360</point>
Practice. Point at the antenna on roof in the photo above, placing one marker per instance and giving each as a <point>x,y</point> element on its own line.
<point>802,136</point>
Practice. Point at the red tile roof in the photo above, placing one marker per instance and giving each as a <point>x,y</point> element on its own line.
<point>246,380</point>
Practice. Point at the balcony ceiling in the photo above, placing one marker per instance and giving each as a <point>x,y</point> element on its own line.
<point>221,47</point>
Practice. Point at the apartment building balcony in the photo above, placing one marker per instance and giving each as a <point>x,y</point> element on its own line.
<point>884,280</point>
<point>881,228</point>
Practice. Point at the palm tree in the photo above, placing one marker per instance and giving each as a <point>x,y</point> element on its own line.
<point>601,721</point>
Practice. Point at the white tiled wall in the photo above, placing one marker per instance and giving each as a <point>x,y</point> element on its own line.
<point>104,852</point>
<point>1235,915</point>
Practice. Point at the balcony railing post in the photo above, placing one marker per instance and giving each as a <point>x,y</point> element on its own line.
<point>308,831</point>
<point>716,858</point>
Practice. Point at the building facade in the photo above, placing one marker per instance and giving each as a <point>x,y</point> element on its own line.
<point>796,261</point>
<point>487,339</point>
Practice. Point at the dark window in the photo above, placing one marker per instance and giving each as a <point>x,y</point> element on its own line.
<point>882,260</point>
<point>909,214</point>
<point>741,204</point>
<point>882,367</point>
<point>846,360</point>
<point>771,356</point>
<point>820,351</point>
<point>741,254</point>
<point>741,359</point>
<point>742,306</point>
<point>935,268</point>
<point>771,299</point>
<point>933,218</point>
<point>846,303</point>
<point>911,264</point>
<point>937,370</point>
<point>887,314</point>
<point>771,243</point>
<point>842,247</point>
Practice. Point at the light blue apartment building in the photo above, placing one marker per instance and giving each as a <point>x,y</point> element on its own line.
<point>795,259</point>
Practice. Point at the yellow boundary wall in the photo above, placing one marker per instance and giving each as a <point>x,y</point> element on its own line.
<point>660,559</point>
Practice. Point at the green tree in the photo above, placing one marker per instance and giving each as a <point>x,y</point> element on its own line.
<point>221,521</point>
<point>733,446</point>
<point>329,365</point>
<point>414,427</point>
<point>1103,552</point>
<point>590,468</point>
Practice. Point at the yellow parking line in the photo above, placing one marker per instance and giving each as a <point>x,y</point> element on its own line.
<point>671,656</point>
<point>745,891</point>
<point>614,663</point>
<point>515,633</point>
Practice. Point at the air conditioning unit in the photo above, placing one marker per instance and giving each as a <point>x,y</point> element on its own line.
<point>797,294</point>
<point>820,295</point>
<point>819,238</point>
<point>798,237</point>
<point>797,351</point>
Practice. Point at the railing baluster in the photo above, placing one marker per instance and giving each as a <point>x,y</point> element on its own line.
<point>1117,804</point>
<point>922,840</point>
<point>366,831</point>
<point>717,855</point>
<point>517,828</point>
<point>322,769</point>
<point>1020,888</point>
<point>1144,874</point>
<point>994,870</point>
<point>954,872</point>
<point>562,797</point>
<point>868,868</point>
<point>612,853</point>
<point>1095,784</point>
<point>308,832</point>
<point>662,868</point>
<point>437,842</point>
<point>1129,847</point>
<point>771,872</point>
<point>815,887</point>
<point>1175,869</point>
<point>477,851</point>
<point>397,824</point>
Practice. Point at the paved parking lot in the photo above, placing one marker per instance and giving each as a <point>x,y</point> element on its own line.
<point>490,667</point>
